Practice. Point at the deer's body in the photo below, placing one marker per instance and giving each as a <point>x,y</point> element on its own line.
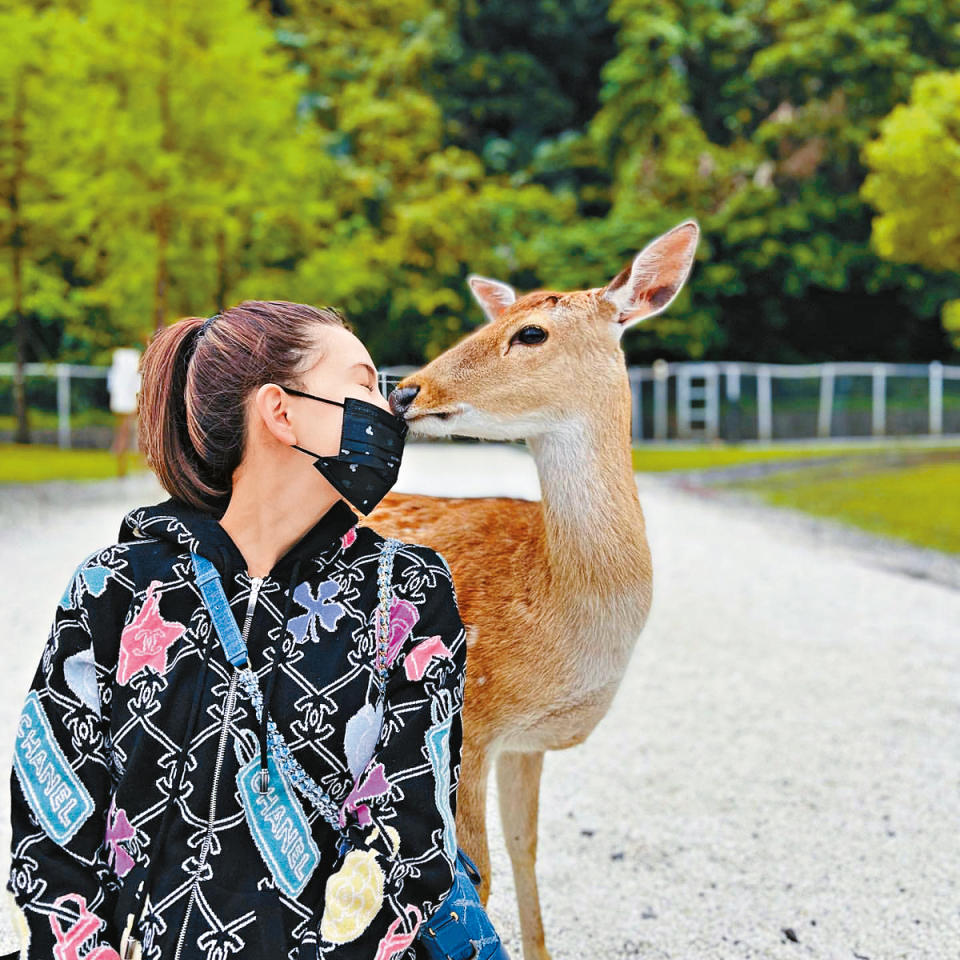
<point>553,594</point>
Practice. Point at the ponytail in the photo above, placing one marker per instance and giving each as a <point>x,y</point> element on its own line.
<point>163,430</point>
<point>196,377</point>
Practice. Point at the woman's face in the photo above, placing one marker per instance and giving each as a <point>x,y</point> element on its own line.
<point>345,371</point>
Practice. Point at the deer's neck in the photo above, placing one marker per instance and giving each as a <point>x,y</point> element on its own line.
<point>593,521</point>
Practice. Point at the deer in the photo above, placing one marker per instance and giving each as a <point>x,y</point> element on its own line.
<point>553,593</point>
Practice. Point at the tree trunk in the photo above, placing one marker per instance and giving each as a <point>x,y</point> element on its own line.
<point>17,241</point>
<point>162,217</point>
<point>161,281</point>
<point>221,295</point>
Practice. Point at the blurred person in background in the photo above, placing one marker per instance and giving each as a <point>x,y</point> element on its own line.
<point>123,382</point>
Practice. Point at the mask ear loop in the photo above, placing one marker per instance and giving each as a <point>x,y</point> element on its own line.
<point>310,452</point>
<point>309,396</point>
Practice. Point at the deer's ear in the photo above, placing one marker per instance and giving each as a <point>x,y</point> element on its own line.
<point>492,295</point>
<point>648,285</point>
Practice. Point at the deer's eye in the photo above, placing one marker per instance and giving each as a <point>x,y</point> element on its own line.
<point>530,335</point>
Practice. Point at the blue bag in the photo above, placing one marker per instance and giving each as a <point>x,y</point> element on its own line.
<point>460,929</point>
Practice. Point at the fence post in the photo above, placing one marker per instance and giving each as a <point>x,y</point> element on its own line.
<point>764,404</point>
<point>683,402</point>
<point>879,427</point>
<point>733,398</point>
<point>661,373</point>
<point>713,405</point>
<point>63,405</point>
<point>636,403</point>
<point>825,413</point>
<point>936,397</point>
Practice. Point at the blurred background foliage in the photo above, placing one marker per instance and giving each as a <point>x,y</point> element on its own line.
<point>165,158</point>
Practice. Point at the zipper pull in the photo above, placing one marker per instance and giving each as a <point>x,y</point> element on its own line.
<point>255,584</point>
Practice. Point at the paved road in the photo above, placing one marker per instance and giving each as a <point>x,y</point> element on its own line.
<point>777,776</point>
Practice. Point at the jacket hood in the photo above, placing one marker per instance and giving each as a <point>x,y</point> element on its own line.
<point>190,529</point>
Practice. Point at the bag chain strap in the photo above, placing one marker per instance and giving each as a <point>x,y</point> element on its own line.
<point>329,809</point>
<point>384,572</point>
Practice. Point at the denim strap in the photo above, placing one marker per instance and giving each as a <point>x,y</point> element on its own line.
<point>208,580</point>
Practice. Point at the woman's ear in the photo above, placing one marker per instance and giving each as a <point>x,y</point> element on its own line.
<point>273,408</point>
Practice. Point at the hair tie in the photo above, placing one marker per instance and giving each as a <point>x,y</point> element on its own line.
<point>207,322</point>
<point>188,346</point>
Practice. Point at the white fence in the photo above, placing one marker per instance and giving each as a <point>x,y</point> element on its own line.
<point>685,401</point>
<point>63,373</point>
<point>688,398</point>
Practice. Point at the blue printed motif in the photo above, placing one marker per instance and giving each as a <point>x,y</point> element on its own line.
<point>320,607</point>
<point>279,827</point>
<point>93,579</point>
<point>57,797</point>
<point>80,674</point>
<point>438,746</point>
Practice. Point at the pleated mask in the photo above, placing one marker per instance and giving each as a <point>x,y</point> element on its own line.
<point>371,446</point>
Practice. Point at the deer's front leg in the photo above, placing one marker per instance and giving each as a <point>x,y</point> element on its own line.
<point>518,790</point>
<point>471,816</point>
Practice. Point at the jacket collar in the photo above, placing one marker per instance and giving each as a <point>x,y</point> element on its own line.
<point>191,529</point>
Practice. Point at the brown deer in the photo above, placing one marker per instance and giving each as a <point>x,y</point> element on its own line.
<point>553,594</point>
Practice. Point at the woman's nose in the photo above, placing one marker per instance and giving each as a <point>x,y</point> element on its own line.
<point>401,398</point>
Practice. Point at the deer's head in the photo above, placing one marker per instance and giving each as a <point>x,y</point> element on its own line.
<point>545,357</point>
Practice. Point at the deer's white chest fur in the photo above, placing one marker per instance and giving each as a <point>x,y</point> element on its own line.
<point>602,578</point>
<point>596,651</point>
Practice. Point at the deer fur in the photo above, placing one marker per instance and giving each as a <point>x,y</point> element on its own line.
<point>555,593</point>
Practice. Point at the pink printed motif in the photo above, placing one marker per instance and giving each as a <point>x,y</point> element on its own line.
<point>403,617</point>
<point>395,941</point>
<point>375,784</point>
<point>145,640</point>
<point>70,942</point>
<point>417,659</point>
<point>119,829</point>
<point>349,537</point>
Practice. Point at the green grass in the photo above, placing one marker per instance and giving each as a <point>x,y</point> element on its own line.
<point>38,463</point>
<point>657,459</point>
<point>907,491</point>
<point>916,502</point>
<point>48,420</point>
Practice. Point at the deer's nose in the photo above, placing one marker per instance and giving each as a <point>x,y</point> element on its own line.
<point>401,398</point>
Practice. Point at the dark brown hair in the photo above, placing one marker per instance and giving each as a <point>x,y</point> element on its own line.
<point>195,382</point>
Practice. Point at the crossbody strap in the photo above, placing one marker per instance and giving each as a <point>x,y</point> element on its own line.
<point>214,598</point>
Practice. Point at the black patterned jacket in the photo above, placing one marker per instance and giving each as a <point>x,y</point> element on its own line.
<point>133,719</point>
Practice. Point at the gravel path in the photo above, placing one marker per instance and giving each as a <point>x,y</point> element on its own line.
<point>777,776</point>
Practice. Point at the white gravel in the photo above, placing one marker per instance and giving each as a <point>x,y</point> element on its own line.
<point>782,754</point>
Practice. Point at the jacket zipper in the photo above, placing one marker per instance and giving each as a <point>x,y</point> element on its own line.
<point>231,699</point>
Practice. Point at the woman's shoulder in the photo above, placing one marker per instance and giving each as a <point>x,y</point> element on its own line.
<point>115,567</point>
<point>417,565</point>
<point>101,585</point>
<point>371,540</point>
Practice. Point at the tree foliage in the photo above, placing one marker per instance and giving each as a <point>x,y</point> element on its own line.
<point>914,182</point>
<point>163,158</point>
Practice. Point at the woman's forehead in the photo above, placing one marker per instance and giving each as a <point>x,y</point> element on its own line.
<point>341,351</point>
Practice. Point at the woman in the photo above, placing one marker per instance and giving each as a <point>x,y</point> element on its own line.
<point>134,825</point>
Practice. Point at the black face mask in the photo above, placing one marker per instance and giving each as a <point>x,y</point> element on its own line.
<point>371,445</point>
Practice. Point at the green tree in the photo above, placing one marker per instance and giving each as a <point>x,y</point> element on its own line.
<point>37,75</point>
<point>515,77</point>
<point>418,213</point>
<point>915,183</point>
<point>751,116</point>
<point>195,164</point>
